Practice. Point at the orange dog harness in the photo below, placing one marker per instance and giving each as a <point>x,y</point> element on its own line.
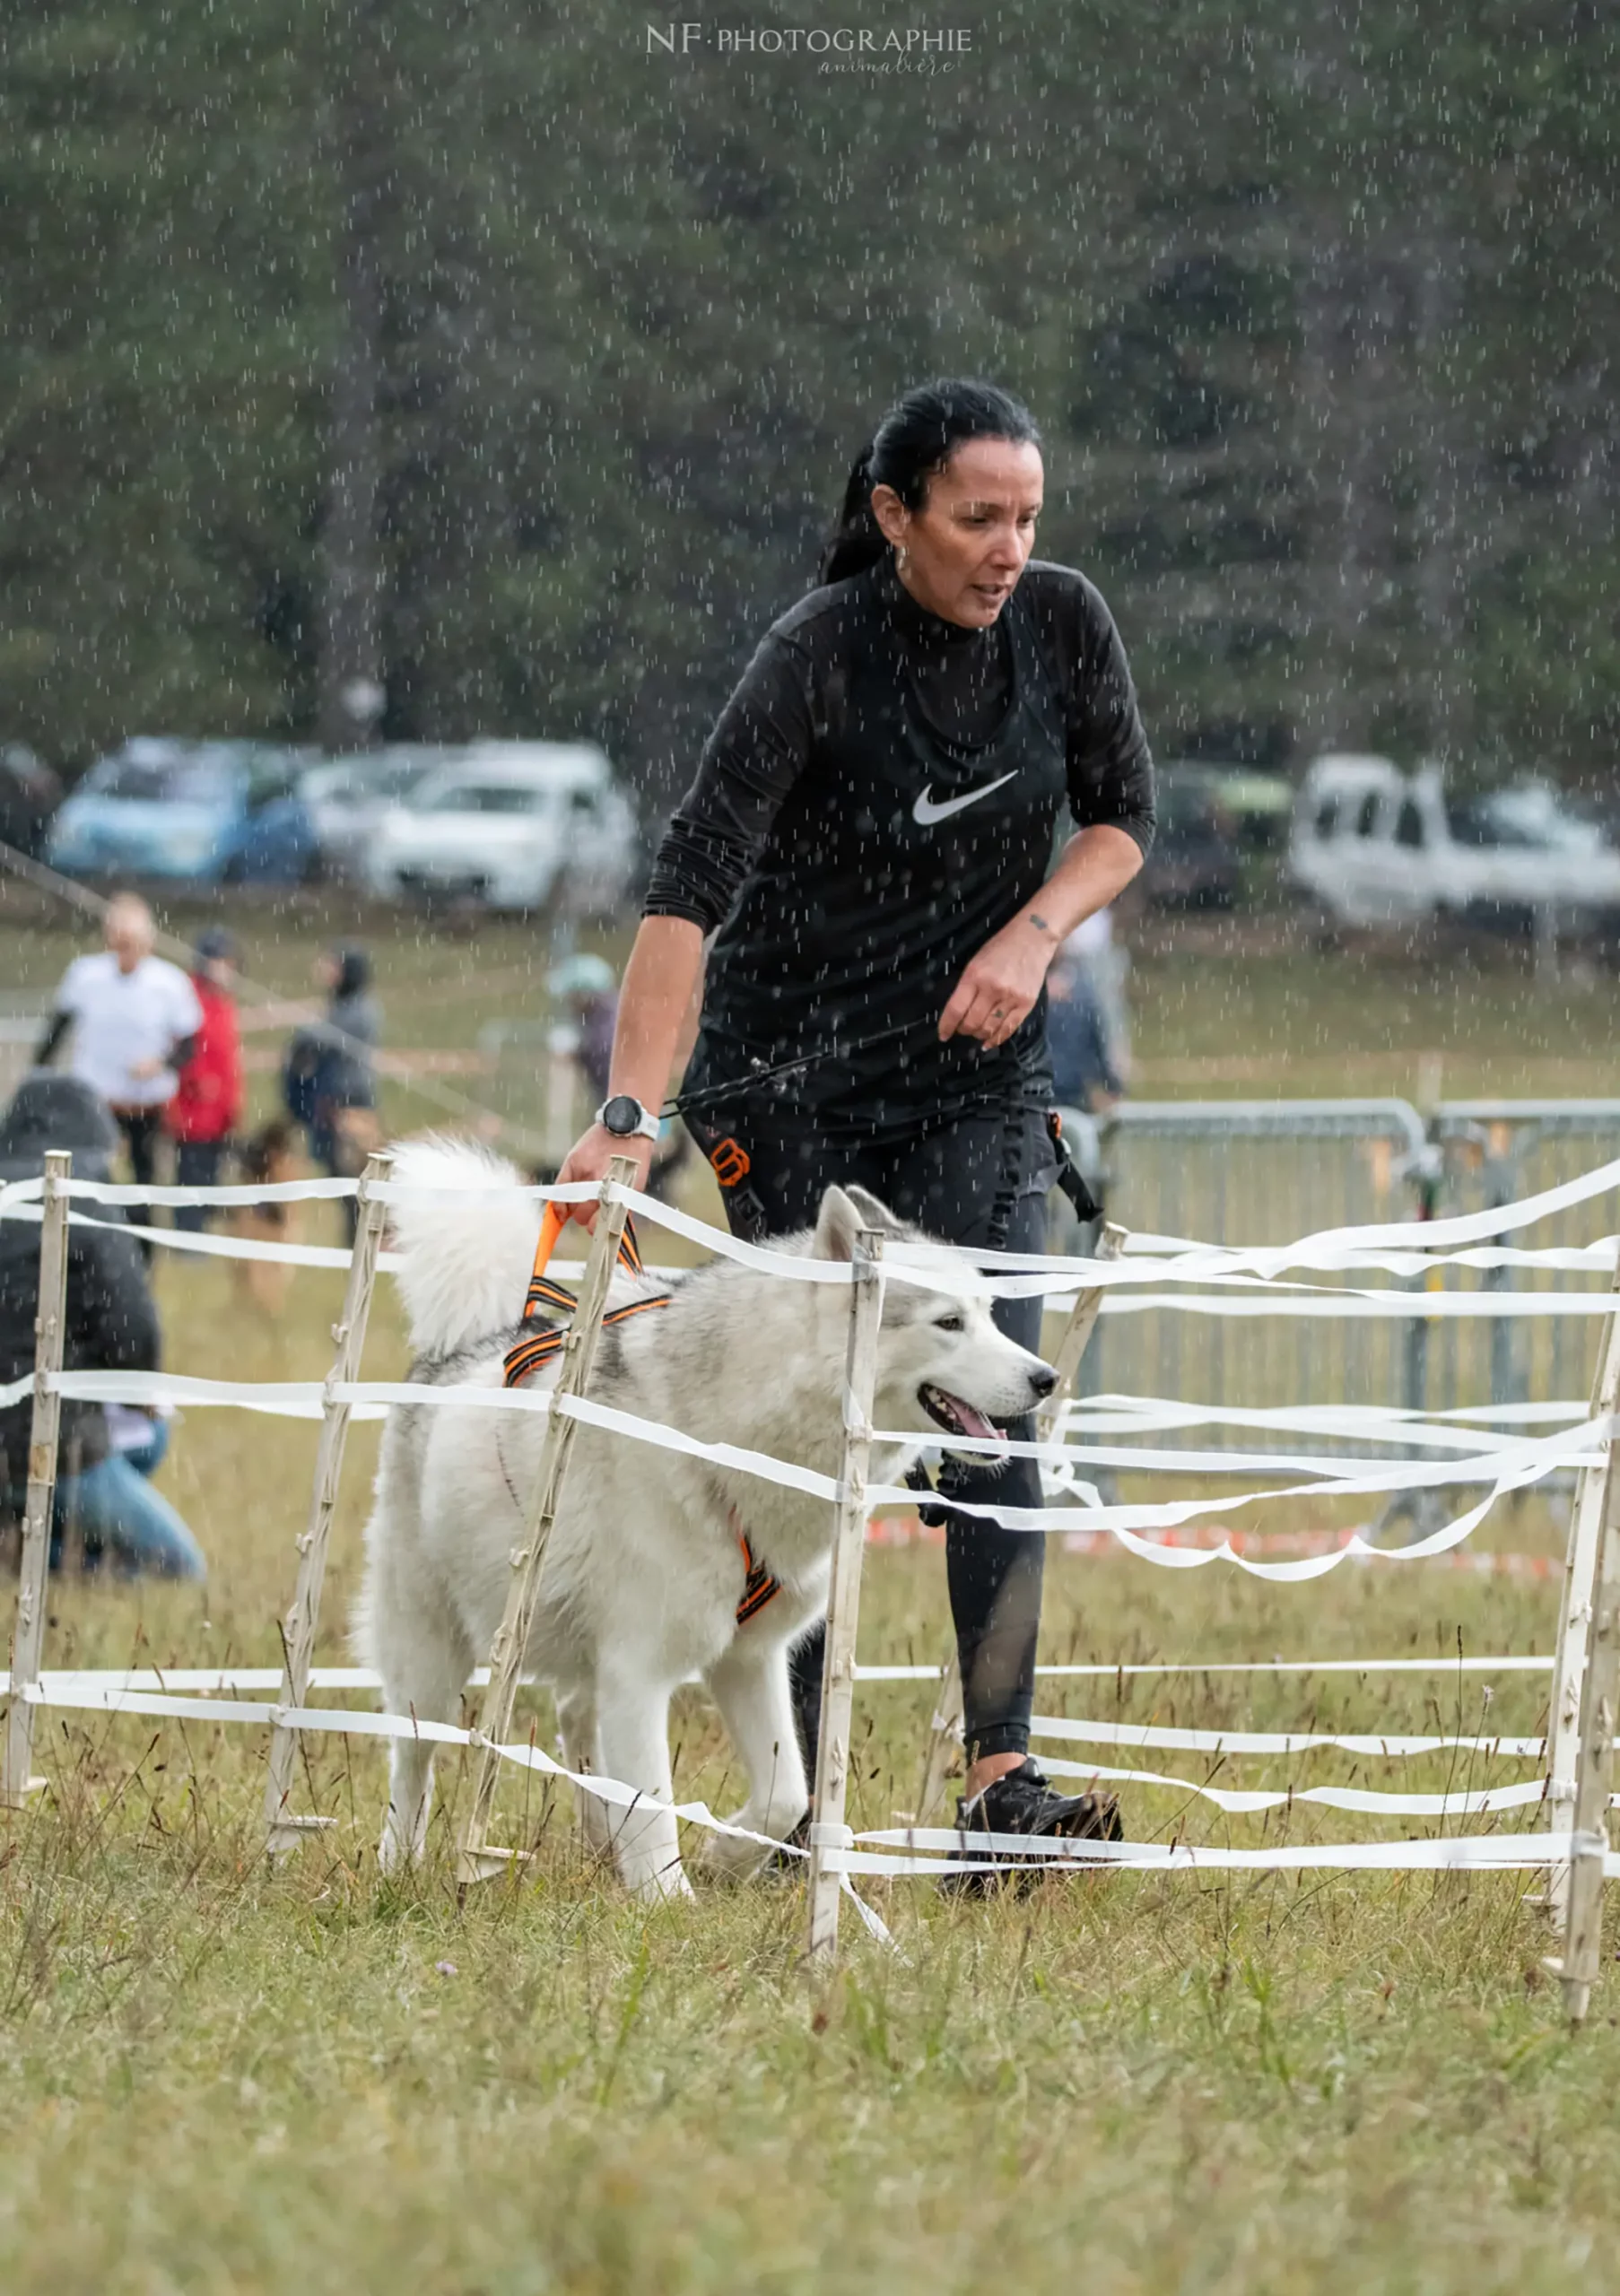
<point>525,1356</point>
<point>549,1300</point>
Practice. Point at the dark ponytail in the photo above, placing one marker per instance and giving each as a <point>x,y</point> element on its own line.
<point>914,439</point>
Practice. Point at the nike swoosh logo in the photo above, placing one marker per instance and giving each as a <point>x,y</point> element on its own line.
<point>928,811</point>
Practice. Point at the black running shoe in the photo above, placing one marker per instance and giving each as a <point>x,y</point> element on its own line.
<point>1023,1802</point>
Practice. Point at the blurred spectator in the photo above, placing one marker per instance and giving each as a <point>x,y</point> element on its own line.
<point>1086,1027</point>
<point>585,987</point>
<point>328,1082</point>
<point>111,1325</point>
<point>139,1433</point>
<point>134,1018</point>
<point>30,793</point>
<point>1095,949</point>
<point>1084,1075</point>
<point>207,1105</point>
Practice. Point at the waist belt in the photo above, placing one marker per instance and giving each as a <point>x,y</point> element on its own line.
<point>548,1301</point>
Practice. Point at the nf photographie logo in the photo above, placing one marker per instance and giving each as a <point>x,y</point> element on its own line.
<point>836,47</point>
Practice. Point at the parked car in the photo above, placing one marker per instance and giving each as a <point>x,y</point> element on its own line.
<point>508,824</point>
<point>1374,846</point>
<point>208,812</point>
<point>1258,804</point>
<point>348,798</point>
<point>1194,862</point>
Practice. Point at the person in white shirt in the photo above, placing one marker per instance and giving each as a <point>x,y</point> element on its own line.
<point>132,1016</point>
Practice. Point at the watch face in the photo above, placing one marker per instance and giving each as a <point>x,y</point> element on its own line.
<point>620,1115</point>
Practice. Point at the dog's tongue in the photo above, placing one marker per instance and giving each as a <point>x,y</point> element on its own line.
<point>974,1422</point>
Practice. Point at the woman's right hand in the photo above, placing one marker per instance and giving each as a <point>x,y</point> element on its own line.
<point>589,1158</point>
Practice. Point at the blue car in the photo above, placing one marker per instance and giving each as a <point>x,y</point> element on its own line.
<point>208,812</point>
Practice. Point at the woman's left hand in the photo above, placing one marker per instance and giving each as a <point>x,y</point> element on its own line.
<point>998,988</point>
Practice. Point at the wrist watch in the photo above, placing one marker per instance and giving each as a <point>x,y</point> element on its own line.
<point>627,1119</point>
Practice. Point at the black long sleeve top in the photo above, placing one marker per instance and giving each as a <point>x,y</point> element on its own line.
<point>877,799</point>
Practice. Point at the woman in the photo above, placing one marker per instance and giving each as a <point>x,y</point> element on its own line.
<point>330,1083</point>
<point>869,839</point>
<point>207,1103</point>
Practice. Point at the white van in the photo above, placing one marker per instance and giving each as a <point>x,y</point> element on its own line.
<point>509,825</point>
<point>1375,846</point>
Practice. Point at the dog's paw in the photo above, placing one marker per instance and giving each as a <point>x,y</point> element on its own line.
<point>670,1882</point>
<point>733,1857</point>
<point>727,1858</point>
<point>394,1854</point>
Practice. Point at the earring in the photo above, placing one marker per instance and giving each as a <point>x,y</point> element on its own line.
<point>902,558</point>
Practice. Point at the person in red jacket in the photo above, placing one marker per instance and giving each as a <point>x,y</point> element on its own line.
<point>207,1104</point>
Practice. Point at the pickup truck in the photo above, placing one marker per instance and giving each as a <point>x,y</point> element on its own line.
<point>1370,845</point>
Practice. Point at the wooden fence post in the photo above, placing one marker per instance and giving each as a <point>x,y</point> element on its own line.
<point>945,1730</point>
<point>284,1829</point>
<point>477,1861</point>
<point>827,1827</point>
<point>1590,1839</point>
<point>1575,1623</point>
<point>17,1780</point>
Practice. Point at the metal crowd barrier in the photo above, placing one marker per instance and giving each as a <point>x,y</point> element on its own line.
<point>1492,1152</point>
<point>1259,1173</point>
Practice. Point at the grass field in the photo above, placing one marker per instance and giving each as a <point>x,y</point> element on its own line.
<point>217,2077</point>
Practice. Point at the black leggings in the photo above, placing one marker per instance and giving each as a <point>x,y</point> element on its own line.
<point>981,1180</point>
<point>141,1128</point>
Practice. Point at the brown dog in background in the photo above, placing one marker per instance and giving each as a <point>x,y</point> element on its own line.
<point>269,1156</point>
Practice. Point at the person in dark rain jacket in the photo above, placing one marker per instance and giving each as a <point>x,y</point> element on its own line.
<point>329,1081</point>
<point>123,1524</point>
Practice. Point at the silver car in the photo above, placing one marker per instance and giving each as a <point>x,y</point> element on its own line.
<point>347,798</point>
<point>511,825</point>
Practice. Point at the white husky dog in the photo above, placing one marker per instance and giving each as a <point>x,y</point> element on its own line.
<point>650,1554</point>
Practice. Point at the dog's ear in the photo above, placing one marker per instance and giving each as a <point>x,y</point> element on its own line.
<point>843,1214</point>
<point>874,1212</point>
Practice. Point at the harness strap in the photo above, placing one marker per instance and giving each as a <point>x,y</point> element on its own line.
<point>759,1587</point>
<point>1070,1178</point>
<point>547,1299</point>
<point>525,1357</point>
<point>553,1221</point>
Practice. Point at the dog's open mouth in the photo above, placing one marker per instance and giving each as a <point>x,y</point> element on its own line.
<point>956,1416</point>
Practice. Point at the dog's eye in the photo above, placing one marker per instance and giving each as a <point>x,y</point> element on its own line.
<point>952,1322</point>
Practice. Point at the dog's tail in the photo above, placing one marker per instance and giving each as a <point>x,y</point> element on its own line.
<point>465,1250</point>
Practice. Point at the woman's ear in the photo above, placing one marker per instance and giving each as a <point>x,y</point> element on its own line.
<point>894,518</point>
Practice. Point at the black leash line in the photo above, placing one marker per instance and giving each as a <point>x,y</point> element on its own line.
<point>759,1074</point>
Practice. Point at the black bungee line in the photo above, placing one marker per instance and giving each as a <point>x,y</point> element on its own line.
<point>681,1104</point>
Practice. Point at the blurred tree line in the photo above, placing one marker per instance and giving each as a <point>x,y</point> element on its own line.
<point>495,355</point>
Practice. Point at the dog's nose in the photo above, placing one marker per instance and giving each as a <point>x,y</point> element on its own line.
<point>1043,1379</point>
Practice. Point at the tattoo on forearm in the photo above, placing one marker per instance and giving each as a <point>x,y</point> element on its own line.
<point>1038,922</point>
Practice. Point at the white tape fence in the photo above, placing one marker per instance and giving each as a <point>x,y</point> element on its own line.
<point>1493,1451</point>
